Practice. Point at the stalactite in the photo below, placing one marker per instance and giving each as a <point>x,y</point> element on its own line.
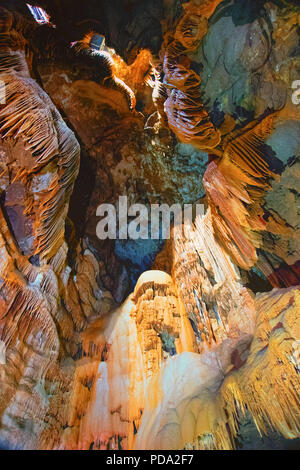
<point>208,284</point>
<point>111,67</point>
<point>29,115</point>
<point>205,414</point>
<point>30,336</point>
<point>235,186</point>
<point>179,363</point>
<point>37,150</point>
<point>186,114</point>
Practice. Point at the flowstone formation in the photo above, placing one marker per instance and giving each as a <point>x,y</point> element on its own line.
<point>187,343</point>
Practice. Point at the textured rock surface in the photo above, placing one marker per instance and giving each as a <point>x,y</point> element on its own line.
<point>147,344</point>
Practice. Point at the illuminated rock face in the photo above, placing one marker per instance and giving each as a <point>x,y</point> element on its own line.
<point>145,344</point>
<point>193,412</point>
<point>125,351</point>
<point>187,117</point>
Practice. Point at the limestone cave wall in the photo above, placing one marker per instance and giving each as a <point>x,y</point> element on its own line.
<point>187,343</point>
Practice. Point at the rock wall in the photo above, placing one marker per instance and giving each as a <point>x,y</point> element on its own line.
<point>149,344</point>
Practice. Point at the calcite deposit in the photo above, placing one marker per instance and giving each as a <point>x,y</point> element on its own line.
<point>192,342</point>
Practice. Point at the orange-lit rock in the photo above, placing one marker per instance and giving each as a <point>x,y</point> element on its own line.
<point>186,115</point>
<point>100,346</point>
<point>201,412</point>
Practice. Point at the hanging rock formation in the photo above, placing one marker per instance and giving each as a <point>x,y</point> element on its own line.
<point>187,343</point>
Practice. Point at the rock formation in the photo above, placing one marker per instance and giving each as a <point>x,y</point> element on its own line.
<point>187,343</point>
